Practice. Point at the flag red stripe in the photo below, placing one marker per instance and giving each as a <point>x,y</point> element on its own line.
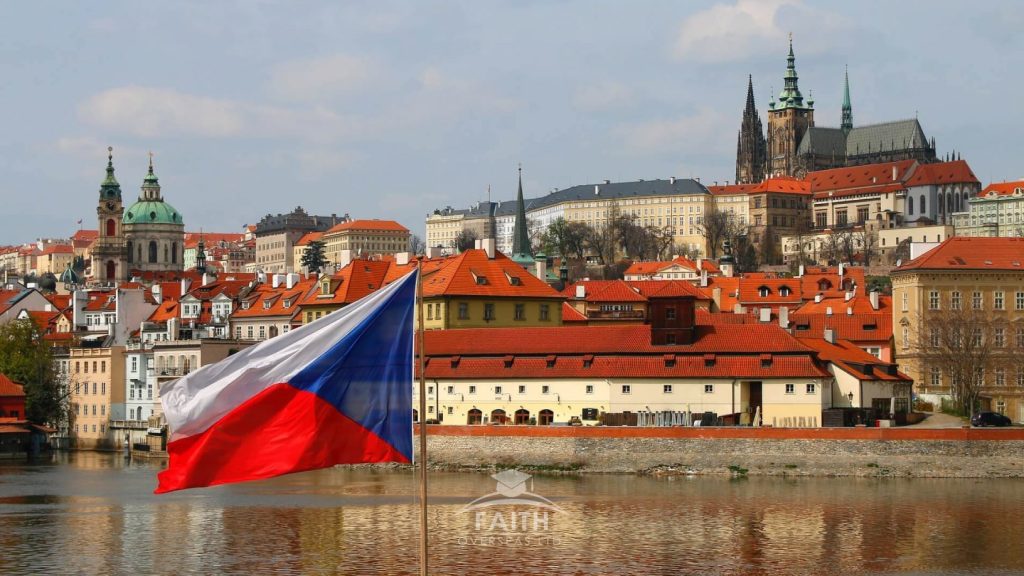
<point>280,430</point>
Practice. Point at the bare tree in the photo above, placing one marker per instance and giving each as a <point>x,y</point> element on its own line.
<point>716,226</point>
<point>466,240</point>
<point>801,230</point>
<point>416,245</point>
<point>686,251</point>
<point>867,243</point>
<point>967,350</point>
<point>567,239</point>
<point>601,241</point>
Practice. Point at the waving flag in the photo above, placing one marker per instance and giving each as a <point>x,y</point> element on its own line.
<point>336,391</point>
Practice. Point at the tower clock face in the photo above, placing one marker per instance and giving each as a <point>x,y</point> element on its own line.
<point>110,205</point>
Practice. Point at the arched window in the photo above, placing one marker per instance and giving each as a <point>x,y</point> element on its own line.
<point>111,270</point>
<point>522,416</point>
<point>545,417</point>
<point>415,415</point>
<point>111,227</point>
<point>131,252</point>
<point>921,205</point>
<point>152,251</point>
<point>498,416</point>
<point>174,252</point>
<point>272,332</point>
<point>910,205</point>
<point>474,417</point>
<point>139,248</point>
<point>167,254</point>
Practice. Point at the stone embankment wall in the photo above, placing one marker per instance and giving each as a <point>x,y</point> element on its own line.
<point>920,453</point>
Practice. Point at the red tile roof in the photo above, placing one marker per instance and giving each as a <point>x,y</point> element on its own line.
<point>861,304</point>
<point>211,239</point>
<point>604,291</point>
<point>58,249</point>
<point>472,273</point>
<point>10,388</point>
<point>165,311</point>
<point>59,301</point>
<point>100,301</point>
<point>354,281</point>
<point>731,189</point>
<point>378,225</point>
<point>266,300</point>
<point>571,315</point>
<point>309,237</point>
<point>783,185</point>
<point>1002,189</point>
<point>86,235</point>
<point>614,339</point>
<point>956,172</point>
<point>971,253</point>
<point>667,289</point>
<point>855,361</point>
<point>862,328</point>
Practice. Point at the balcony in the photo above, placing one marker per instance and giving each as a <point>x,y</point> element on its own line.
<point>129,425</point>
<point>615,314</point>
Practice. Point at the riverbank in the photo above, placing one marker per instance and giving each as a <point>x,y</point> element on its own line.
<point>825,452</point>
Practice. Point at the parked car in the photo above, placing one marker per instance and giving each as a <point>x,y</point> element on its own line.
<point>990,419</point>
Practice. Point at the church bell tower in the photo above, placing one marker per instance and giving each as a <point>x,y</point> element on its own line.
<point>108,252</point>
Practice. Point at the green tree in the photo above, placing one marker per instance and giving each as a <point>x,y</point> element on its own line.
<point>27,359</point>
<point>314,259</point>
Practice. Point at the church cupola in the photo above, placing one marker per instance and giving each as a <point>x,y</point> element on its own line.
<point>110,189</point>
<point>791,96</point>
<point>150,184</point>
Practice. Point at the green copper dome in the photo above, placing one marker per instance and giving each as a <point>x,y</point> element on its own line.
<point>151,212</point>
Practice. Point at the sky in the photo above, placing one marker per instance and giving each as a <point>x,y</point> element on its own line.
<point>392,109</point>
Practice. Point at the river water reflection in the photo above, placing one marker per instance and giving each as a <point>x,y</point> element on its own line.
<point>91,513</point>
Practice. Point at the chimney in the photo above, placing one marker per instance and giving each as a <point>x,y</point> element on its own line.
<point>48,307</point>
<point>893,173</point>
<point>842,269</point>
<point>700,263</point>
<point>541,269</point>
<point>784,317</point>
<point>716,297</point>
<point>873,296</point>
<point>817,298</point>
<point>703,278</point>
<point>185,283</point>
<point>800,274</point>
<point>290,280</point>
<point>434,252</point>
<point>345,258</point>
<point>206,278</point>
<point>477,244</point>
<point>581,291</point>
<point>828,311</point>
<point>849,310</point>
<point>672,180</point>
<point>848,296</point>
<point>275,281</point>
<point>157,292</point>
<point>765,315</point>
<point>402,258</point>
<point>830,336</point>
<point>597,189</point>
<point>488,245</point>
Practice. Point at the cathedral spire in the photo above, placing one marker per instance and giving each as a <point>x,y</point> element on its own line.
<point>751,150</point>
<point>847,122</point>
<point>790,96</point>
<point>520,235</point>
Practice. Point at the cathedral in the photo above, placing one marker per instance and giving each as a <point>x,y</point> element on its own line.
<point>148,236</point>
<point>794,146</point>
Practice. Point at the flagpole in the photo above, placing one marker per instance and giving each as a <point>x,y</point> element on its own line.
<point>423,423</point>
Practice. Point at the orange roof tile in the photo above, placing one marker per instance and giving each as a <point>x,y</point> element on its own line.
<point>266,300</point>
<point>379,225</point>
<point>309,237</point>
<point>855,361</point>
<point>10,388</point>
<point>956,171</point>
<point>731,189</point>
<point>783,185</point>
<point>1002,189</point>
<point>211,239</point>
<point>667,289</point>
<point>604,291</point>
<point>58,249</point>
<point>971,253</point>
<point>472,273</point>
<point>873,328</point>
<point>572,315</point>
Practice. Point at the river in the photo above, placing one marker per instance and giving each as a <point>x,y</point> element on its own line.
<point>93,513</point>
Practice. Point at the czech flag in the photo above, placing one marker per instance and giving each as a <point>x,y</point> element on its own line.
<point>336,391</point>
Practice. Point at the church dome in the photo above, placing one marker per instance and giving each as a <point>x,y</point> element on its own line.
<point>151,212</point>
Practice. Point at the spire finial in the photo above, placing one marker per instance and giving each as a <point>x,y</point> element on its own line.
<point>150,161</point>
<point>110,154</point>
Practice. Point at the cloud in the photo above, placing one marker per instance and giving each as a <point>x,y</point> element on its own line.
<point>699,133</point>
<point>605,95</point>
<point>729,32</point>
<point>150,112</point>
<point>323,78</point>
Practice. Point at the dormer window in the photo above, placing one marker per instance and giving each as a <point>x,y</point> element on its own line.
<point>764,291</point>
<point>325,287</point>
<point>266,304</point>
<point>784,291</point>
<point>287,303</point>
<point>480,280</point>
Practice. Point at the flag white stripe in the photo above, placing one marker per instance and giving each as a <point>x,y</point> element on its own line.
<point>195,402</point>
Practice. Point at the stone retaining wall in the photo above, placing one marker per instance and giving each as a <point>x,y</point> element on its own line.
<point>816,452</point>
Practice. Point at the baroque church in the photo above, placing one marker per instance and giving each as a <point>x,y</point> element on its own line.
<point>148,236</point>
<point>794,146</point>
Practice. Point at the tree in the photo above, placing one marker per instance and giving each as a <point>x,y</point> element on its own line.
<point>967,348</point>
<point>314,259</point>
<point>767,246</point>
<point>801,230</point>
<point>867,243</point>
<point>466,240</point>
<point>416,245</point>
<point>601,242</point>
<point>686,251</point>
<point>715,227</point>
<point>27,359</point>
<point>745,254</point>
<point>566,239</point>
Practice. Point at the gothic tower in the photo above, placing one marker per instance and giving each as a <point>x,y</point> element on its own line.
<point>847,122</point>
<point>108,252</point>
<point>522,252</point>
<point>788,120</point>
<point>751,151</point>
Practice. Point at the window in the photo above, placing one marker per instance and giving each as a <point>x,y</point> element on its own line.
<point>103,388</point>
<point>497,389</point>
<point>998,301</point>
<point>936,376</point>
<point>709,388</point>
<point>93,409</point>
<point>472,389</point>
<point>810,388</point>
<point>248,332</point>
<point>451,389</point>
<point>1020,300</point>
<point>451,410</point>
<point>1020,377</point>
<point>522,389</point>
<point>135,363</point>
<point>666,389</point>
<point>976,337</point>
<point>670,313</point>
<point>933,337</point>
<point>488,311</point>
<point>1020,338</point>
<point>625,389</point>
<point>93,387</point>
<point>976,301</point>
<point>999,337</point>
<point>545,389</point>
<point>1000,376</point>
<point>790,388</point>
<point>520,312</point>
<point>955,300</point>
<point>933,300</point>
<point>103,409</point>
<point>463,311</point>
<point>430,311</point>
<point>545,312</point>
<point>906,337</point>
<point>590,389</point>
